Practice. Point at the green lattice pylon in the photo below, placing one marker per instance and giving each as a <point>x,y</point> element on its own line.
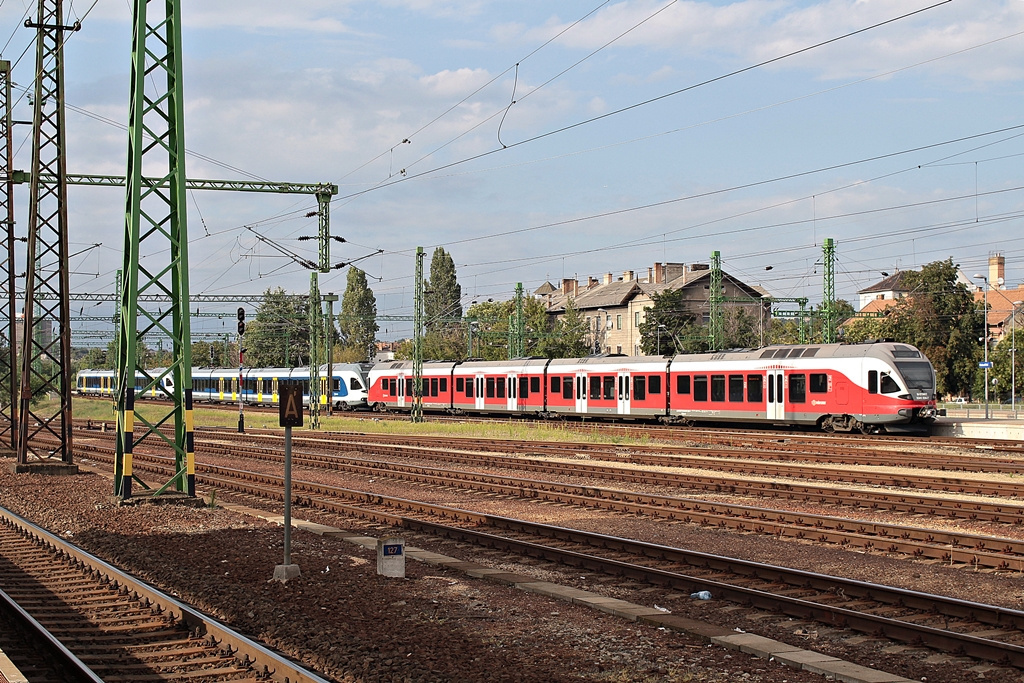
<point>316,321</point>
<point>416,412</point>
<point>828,303</point>
<point>716,320</point>
<point>155,215</point>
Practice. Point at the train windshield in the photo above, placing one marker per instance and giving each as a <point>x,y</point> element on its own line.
<point>918,376</point>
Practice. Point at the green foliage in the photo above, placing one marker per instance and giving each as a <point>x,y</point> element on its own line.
<point>357,320</point>
<point>278,335</point>
<point>443,296</point>
<point>940,318</point>
<point>1002,370</point>
<point>671,327</point>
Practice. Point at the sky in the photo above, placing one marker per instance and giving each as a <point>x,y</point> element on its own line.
<point>536,141</point>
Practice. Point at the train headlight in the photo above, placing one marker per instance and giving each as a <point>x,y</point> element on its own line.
<point>905,397</point>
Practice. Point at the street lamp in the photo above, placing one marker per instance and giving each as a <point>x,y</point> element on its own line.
<point>1013,358</point>
<point>984,338</point>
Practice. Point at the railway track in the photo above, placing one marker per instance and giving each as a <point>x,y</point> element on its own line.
<point>113,627</point>
<point>954,626</point>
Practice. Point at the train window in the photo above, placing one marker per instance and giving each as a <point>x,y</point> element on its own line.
<point>819,383</point>
<point>810,352</point>
<point>444,385</point>
<point>354,384</point>
<point>717,387</point>
<point>609,387</point>
<point>736,388</point>
<point>683,384</point>
<point>889,385</point>
<point>768,354</point>
<point>469,389</point>
<point>535,385</point>
<point>798,388</point>
<point>524,387</point>
<point>501,387</point>
<point>700,387</point>
<point>490,387</point>
<point>755,389</point>
<point>654,384</point>
<point>900,351</point>
<point>460,384</point>
<point>639,387</point>
<point>872,381</point>
<point>556,385</point>
<point>389,386</point>
<point>567,388</point>
<point>595,387</point>
<point>433,386</point>
<point>408,387</point>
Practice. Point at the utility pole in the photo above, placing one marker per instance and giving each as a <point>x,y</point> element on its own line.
<point>716,322</point>
<point>517,327</point>
<point>416,414</point>
<point>8,335</point>
<point>46,357</point>
<point>828,305</point>
<point>330,298</point>
<point>155,213</point>
<point>315,323</point>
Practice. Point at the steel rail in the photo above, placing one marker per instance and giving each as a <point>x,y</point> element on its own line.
<point>941,607</point>
<point>275,666</point>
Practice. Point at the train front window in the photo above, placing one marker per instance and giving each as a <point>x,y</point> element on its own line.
<point>889,385</point>
<point>918,376</point>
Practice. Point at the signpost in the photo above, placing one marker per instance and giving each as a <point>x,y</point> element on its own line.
<point>290,405</point>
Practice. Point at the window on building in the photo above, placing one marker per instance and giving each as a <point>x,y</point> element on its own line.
<point>618,322</point>
<point>636,319</point>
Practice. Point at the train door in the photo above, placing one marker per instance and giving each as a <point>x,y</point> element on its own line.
<point>776,395</point>
<point>480,405</point>
<point>512,395</point>
<point>581,391</point>
<point>623,395</point>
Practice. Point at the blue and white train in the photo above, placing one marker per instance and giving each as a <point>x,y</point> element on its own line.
<point>259,385</point>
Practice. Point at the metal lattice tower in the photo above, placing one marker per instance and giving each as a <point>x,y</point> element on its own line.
<point>417,341</point>
<point>517,327</point>
<point>46,355</point>
<point>315,326</point>
<point>155,215</point>
<point>716,321</point>
<point>9,364</point>
<point>828,304</point>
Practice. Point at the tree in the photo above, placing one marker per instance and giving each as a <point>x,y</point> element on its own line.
<point>278,335</point>
<point>358,318</point>
<point>568,339</point>
<point>443,297</point>
<point>671,327</point>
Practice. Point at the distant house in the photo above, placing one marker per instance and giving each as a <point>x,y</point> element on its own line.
<point>884,293</point>
<point>615,307</point>
<point>1000,300</point>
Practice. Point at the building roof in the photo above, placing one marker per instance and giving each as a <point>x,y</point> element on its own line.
<point>879,305</point>
<point>545,288</point>
<point>1000,307</point>
<point>891,283</point>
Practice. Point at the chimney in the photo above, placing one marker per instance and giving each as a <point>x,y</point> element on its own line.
<point>996,271</point>
<point>674,270</point>
<point>608,278</point>
<point>659,273</point>
<point>627,276</point>
<point>569,287</point>
<point>650,276</point>
<point>591,282</point>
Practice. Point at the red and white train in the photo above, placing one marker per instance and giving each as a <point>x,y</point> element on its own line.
<point>870,387</point>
